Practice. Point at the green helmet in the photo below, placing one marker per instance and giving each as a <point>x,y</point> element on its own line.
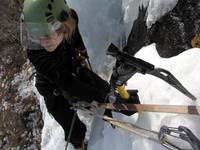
<point>42,17</point>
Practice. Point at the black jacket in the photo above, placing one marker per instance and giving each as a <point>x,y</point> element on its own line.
<point>60,68</point>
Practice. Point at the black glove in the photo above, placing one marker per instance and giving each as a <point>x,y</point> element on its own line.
<point>114,97</point>
<point>133,98</point>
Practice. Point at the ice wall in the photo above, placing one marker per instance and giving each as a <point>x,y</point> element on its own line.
<point>104,21</point>
<point>100,23</point>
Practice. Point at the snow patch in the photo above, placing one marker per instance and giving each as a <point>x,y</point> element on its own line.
<point>23,83</point>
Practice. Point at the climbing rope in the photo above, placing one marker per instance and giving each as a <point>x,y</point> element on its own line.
<point>166,136</point>
<point>71,129</point>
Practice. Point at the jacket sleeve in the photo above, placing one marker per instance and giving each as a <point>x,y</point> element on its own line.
<point>55,70</point>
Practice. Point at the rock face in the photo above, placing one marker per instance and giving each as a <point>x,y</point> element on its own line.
<point>20,116</point>
<point>174,31</point>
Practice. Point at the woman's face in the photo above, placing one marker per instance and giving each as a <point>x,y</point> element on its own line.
<point>51,42</point>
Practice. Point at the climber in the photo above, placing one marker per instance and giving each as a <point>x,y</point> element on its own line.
<point>56,50</point>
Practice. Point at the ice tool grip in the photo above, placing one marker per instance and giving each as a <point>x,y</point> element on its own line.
<point>123,92</point>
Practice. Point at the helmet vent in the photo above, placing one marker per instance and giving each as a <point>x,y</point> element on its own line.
<point>50,19</point>
<point>49,6</point>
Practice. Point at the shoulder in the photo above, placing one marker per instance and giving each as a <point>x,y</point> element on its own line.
<point>34,55</point>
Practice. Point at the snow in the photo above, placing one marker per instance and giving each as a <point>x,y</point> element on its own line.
<point>22,81</point>
<point>100,23</point>
<point>155,91</point>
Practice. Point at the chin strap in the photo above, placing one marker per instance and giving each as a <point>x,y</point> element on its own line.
<point>71,129</point>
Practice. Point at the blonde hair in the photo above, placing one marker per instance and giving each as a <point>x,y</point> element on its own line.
<point>68,28</point>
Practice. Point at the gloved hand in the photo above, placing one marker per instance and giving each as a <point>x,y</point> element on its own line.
<point>133,98</point>
<point>114,97</point>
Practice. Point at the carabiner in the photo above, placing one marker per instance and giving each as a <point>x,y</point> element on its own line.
<point>181,133</point>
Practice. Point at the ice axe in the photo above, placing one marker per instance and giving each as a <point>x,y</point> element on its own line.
<point>147,68</point>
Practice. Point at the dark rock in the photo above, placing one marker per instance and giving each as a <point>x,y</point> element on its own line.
<point>14,72</point>
<point>174,31</point>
